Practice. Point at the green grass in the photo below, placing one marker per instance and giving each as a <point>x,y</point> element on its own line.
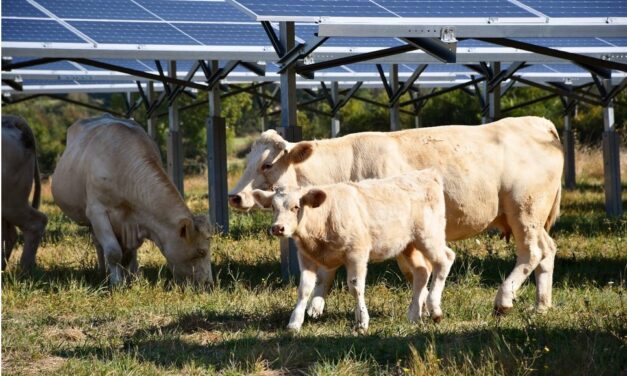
<point>62,319</point>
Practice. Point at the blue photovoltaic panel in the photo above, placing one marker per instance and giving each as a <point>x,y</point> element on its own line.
<point>194,10</point>
<point>36,31</point>
<point>306,32</point>
<point>20,8</point>
<point>58,65</point>
<point>447,68</point>
<point>128,63</point>
<point>453,8</point>
<point>133,33</point>
<point>565,68</point>
<point>96,9</point>
<point>227,34</point>
<point>48,82</point>
<point>579,8</point>
<point>618,42</point>
<point>316,8</point>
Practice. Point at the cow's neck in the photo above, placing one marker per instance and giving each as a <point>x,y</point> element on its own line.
<point>327,165</point>
<point>158,205</point>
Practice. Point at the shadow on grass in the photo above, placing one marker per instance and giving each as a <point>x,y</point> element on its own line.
<point>561,350</point>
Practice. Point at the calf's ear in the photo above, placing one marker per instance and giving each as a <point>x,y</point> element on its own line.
<point>263,198</point>
<point>185,229</point>
<point>300,152</point>
<point>313,198</point>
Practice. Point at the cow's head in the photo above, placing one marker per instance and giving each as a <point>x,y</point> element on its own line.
<point>188,252</point>
<point>269,164</point>
<point>288,207</point>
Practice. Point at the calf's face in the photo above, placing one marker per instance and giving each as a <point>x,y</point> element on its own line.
<point>270,163</point>
<point>288,207</point>
<point>188,253</point>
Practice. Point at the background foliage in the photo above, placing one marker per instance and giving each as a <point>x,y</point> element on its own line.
<point>50,118</point>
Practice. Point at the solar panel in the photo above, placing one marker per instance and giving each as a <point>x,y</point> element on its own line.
<point>453,8</point>
<point>198,11</point>
<point>133,33</point>
<point>579,8</point>
<point>300,9</point>
<point>96,9</point>
<point>20,8</point>
<point>25,30</point>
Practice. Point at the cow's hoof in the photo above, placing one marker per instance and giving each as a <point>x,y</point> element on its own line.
<point>316,307</point>
<point>542,309</point>
<point>436,319</point>
<point>501,311</point>
<point>294,328</point>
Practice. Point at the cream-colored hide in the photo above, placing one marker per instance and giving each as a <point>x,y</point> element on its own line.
<point>504,175</point>
<point>19,170</point>
<point>371,220</point>
<point>110,178</point>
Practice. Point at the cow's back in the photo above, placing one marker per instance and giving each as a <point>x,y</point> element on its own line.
<point>96,162</point>
<point>482,165</point>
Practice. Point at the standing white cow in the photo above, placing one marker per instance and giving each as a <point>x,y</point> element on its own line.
<point>19,169</point>
<point>504,175</point>
<point>371,220</point>
<point>110,178</point>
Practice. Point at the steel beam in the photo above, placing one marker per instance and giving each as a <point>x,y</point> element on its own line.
<point>569,152</point>
<point>276,43</point>
<point>494,93</point>
<point>408,83</point>
<point>216,161</point>
<point>445,52</point>
<point>349,94</point>
<point>174,145</point>
<point>355,58</point>
<point>611,161</point>
<point>335,120</point>
<point>292,133</point>
<point>576,58</point>
<point>395,116</point>
<point>152,119</point>
<point>443,91</point>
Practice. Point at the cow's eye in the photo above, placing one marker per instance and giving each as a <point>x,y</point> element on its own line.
<point>296,208</point>
<point>266,166</point>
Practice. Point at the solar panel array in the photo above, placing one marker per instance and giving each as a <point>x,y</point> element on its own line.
<point>299,10</point>
<point>189,24</point>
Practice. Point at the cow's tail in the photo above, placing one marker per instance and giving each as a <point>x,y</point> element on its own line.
<point>555,210</point>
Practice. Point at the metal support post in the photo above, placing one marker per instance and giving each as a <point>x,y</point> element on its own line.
<point>485,117</point>
<point>291,132</point>
<point>152,119</point>
<point>264,114</point>
<point>335,120</point>
<point>611,160</point>
<point>395,116</point>
<point>569,152</point>
<point>216,161</point>
<point>175,149</point>
<point>494,108</point>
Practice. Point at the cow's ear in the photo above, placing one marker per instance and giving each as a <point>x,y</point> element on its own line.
<point>300,152</point>
<point>185,229</point>
<point>314,198</point>
<point>263,198</point>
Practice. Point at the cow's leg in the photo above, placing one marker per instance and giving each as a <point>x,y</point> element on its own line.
<point>544,273</point>
<point>9,238</point>
<point>420,271</point>
<point>305,287</point>
<point>102,263</point>
<point>356,269</point>
<point>324,281</point>
<point>129,263</point>
<point>33,224</point>
<point>442,259</point>
<point>104,234</point>
<point>528,256</point>
<point>405,268</point>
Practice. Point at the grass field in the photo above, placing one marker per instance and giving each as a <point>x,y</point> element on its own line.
<point>62,319</point>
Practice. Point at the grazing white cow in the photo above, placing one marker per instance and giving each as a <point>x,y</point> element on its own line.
<point>504,175</point>
<point>371,220</point>
<point>110,178</point>
<point>19,169</point>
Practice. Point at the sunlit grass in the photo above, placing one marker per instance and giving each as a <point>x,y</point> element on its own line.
<point>62,318</point>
